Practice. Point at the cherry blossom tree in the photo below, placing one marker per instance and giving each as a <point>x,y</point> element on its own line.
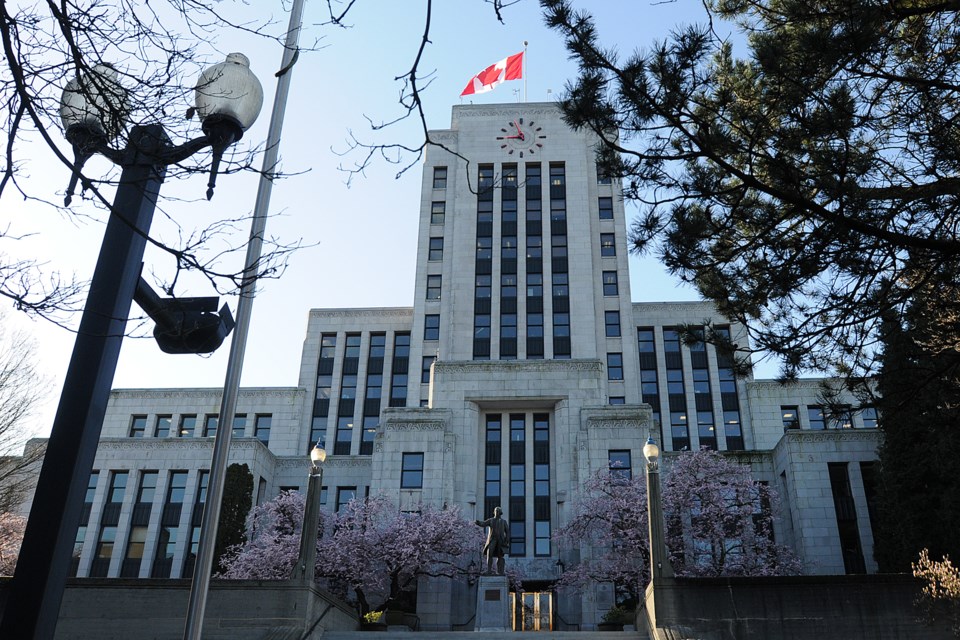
<point>369,552</point>
<point>273,541</point>
<point>11,535</point>
<point>611,518</point>
<point>379,553</point>
<point>940,596</point>
<point>720,520</point>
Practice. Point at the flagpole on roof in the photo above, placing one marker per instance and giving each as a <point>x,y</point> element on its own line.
<point>524,70</point>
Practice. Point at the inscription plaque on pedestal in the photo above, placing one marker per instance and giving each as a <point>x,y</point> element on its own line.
<point>493,605</point>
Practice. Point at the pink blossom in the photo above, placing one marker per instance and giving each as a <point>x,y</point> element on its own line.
<point>369,552</point>
<point>11,535</point>
<point>719,520</point>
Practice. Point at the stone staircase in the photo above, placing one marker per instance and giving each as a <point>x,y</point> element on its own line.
<point>487,635</point>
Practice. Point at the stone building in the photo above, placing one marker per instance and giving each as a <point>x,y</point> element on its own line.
<point>522,368</point>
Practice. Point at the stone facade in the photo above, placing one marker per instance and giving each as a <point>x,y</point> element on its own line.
<point>522,368</point>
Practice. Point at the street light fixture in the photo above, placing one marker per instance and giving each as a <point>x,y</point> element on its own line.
<point>659,563</point>
<point>93,109</point>
<point>307,560</point>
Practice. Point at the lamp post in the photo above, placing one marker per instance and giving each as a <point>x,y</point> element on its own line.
<point>307,560</point>
<point>93,109</point>
<point>659,563</point>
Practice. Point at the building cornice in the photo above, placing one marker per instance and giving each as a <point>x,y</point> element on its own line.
<point>832,435</point>
<point>365,312</point>
<point>190,444</point>
<point>207,393</point>
<point>518,366</point>
<point>426,425</point>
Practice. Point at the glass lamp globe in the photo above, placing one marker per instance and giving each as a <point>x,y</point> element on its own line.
<point>95,103</point>
<point>317,456</point>
<point>229,91</point>
<point>651,451</point>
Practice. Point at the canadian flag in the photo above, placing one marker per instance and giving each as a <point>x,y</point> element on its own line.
<point>510,68</point>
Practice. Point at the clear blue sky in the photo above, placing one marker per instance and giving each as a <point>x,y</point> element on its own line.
<point>364,236</point>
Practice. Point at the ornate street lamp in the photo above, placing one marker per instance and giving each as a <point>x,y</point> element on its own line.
<point>659,563</point>
<point>94,108</point>
<point>307,560</point>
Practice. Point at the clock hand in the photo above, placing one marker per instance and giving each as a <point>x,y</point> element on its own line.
<point>520,134</point>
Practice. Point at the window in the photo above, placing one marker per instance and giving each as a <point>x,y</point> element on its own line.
<point>162,427</point>
<point>602,178</point>
<point>675,381</point>
<point>411,475</point>
<point>561,285</point>
<point>706,430</point>
<point>108,535</point>
<point>701,385</point>
<point>368,434</point>
<point>484,285</point>
<point>203,483</point>
<point>541,543</point>
<point>261,429</point>
<point>614,366</point>
<point>558,176</point>
<point>345,495</point>
<point>433,287</point>
<point>148,487</point>
<point>485,179</point>
<point>869,417</point>
<point>645,341</point>
<point>732,430</point>
<point>166,545</point>
<point>679,431</point>
<point>398,376</point>
<point>610,283</point>
<point>534,285</point>
<point>91,487</point>
<point>118,486</point>
<point>239,425</point>
<point>431,326</point>
<point>210,426</point>
<point>616,400</point>
<point>620,464</point>
<point>518,539</point>
<point>138,536</point>
<point>341,446</point>
<point>815,414</point>
<point>481,326</point>
<point>841,418</point>
<point>425,368</point>
<point>439,177</point>
<point>437,212</point>
<point>611,321</point>
<point>790,417</point>
<point>436,249</point>
<point>138,426</point>
<point>176,492</point>
<point>608,246</point>
<point>508,247</point>
<point>606,208</point>
<point>508,285</point>
<point>188,425</point>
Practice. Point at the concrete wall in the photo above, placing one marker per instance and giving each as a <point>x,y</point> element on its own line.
<point>877,607</point>
<point>117,609</point>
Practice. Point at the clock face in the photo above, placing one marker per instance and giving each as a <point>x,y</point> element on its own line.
<point>521,137</point>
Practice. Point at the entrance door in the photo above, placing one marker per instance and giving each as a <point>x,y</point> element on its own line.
<point>536,611</point>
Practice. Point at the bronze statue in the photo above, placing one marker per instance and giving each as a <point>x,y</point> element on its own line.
<point>497,540</point>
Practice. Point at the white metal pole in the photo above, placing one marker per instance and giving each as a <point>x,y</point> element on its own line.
<point>525,70</point>
<point>221,448</point>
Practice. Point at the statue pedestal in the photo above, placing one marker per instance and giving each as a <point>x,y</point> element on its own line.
<point>493,604</point>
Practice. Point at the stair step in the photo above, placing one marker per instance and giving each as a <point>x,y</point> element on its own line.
<point>487,635</point>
